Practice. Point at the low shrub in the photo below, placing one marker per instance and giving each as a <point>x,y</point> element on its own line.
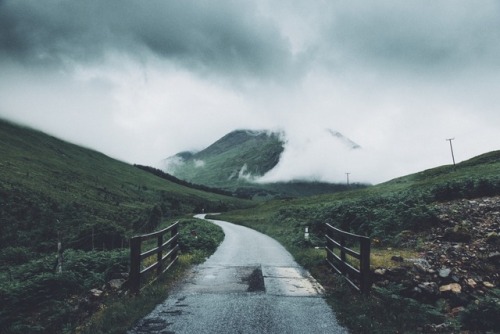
<point>36,299</point>
<point>383,311</point>
<point>482,315</point>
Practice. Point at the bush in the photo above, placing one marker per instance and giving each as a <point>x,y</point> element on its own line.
<point>382,217</point>
<point>199,235</point>
<point>14,256</point>
<point>383,311</point>
<point>35,299</point>
<point>466,188</point>
<point>483,315</point>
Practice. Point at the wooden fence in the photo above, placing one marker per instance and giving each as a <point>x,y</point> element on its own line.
<point>164,251</point>
<point>337,249</point>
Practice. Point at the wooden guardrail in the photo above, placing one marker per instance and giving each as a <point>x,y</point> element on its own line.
<point>164,251</point>
<point>359,276</point>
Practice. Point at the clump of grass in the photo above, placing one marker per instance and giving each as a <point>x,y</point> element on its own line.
<point>120,313</point>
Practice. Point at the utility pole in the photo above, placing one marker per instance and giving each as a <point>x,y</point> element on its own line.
<point>347,177</point>
<point>451,147</point>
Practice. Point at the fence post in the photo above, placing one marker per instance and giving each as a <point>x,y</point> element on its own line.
<point>328,245</point>
<point>173,233</point>
<point>159,255</point>
<point>342,251</point>
<point>135,264</point>
<point>365,264</point>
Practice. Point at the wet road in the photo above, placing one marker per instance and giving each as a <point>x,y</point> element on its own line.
<point>251,284</point>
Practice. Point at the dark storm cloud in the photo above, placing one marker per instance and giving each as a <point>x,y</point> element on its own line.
<point>218,36</point>
<point>128,77</point>
<point>416,35</point>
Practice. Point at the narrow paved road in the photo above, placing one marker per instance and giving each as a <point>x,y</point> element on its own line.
<point>251,284</point>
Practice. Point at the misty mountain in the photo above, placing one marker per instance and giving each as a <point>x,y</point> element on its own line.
<point>240,158</point>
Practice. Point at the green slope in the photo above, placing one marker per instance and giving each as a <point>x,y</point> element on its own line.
<point>380,211</point>
<point>224,163</point>
<point>49,187</point>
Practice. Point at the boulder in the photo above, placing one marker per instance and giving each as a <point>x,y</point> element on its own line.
<point>444,272</point>
<point>471,283</point>
<point>421,265</point>
<point>96,293</point>
<point>488,285</point>
<point>459,233</point>
<point>453,287</point>
<point>493,238</point>
<point>430,288</point>
<point>116,284</point>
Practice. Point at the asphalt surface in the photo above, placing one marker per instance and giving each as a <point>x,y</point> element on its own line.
<point>251,284</point>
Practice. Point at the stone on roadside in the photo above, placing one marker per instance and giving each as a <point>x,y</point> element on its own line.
<point>116,284</point>
<point>488,285</point>
<point>458,233</point>
<point>444,272</point>
<point>429,287</point>
<point>96,293</point>
<point>453,287</point>
<point>471,283</point>
<point>493,238</point>
<point>397,258</point>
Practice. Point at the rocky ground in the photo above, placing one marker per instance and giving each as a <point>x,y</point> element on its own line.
<point>459,257</point>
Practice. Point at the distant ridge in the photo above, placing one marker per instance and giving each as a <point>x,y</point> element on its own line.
<point>344,139</point>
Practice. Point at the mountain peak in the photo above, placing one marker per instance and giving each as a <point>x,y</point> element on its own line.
<point>240,156</point>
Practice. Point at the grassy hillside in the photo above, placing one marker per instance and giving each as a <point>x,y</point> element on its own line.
<point>51,191</point>
<point>228,160</point>
<point>384,210</point>
<point>50,188</point>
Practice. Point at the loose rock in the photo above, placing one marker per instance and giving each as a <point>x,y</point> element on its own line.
<point>453,287</point>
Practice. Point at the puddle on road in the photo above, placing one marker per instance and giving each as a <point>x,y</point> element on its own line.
<point>290,281</point>
<point>224,279</point>
<point>279,281</point>
<point>255,281</point>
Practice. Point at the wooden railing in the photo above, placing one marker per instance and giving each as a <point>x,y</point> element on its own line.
<point>337,252</point>
<point>164,251</point>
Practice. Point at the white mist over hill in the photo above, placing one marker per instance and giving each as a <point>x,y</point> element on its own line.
<point>323,155</point>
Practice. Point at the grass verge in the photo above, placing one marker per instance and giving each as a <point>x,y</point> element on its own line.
<point>120,313</point>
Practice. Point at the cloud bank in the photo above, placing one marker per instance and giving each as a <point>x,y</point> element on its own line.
<point>143,80</point>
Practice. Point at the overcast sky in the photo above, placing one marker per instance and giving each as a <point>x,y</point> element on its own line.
<point>143,80</point>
